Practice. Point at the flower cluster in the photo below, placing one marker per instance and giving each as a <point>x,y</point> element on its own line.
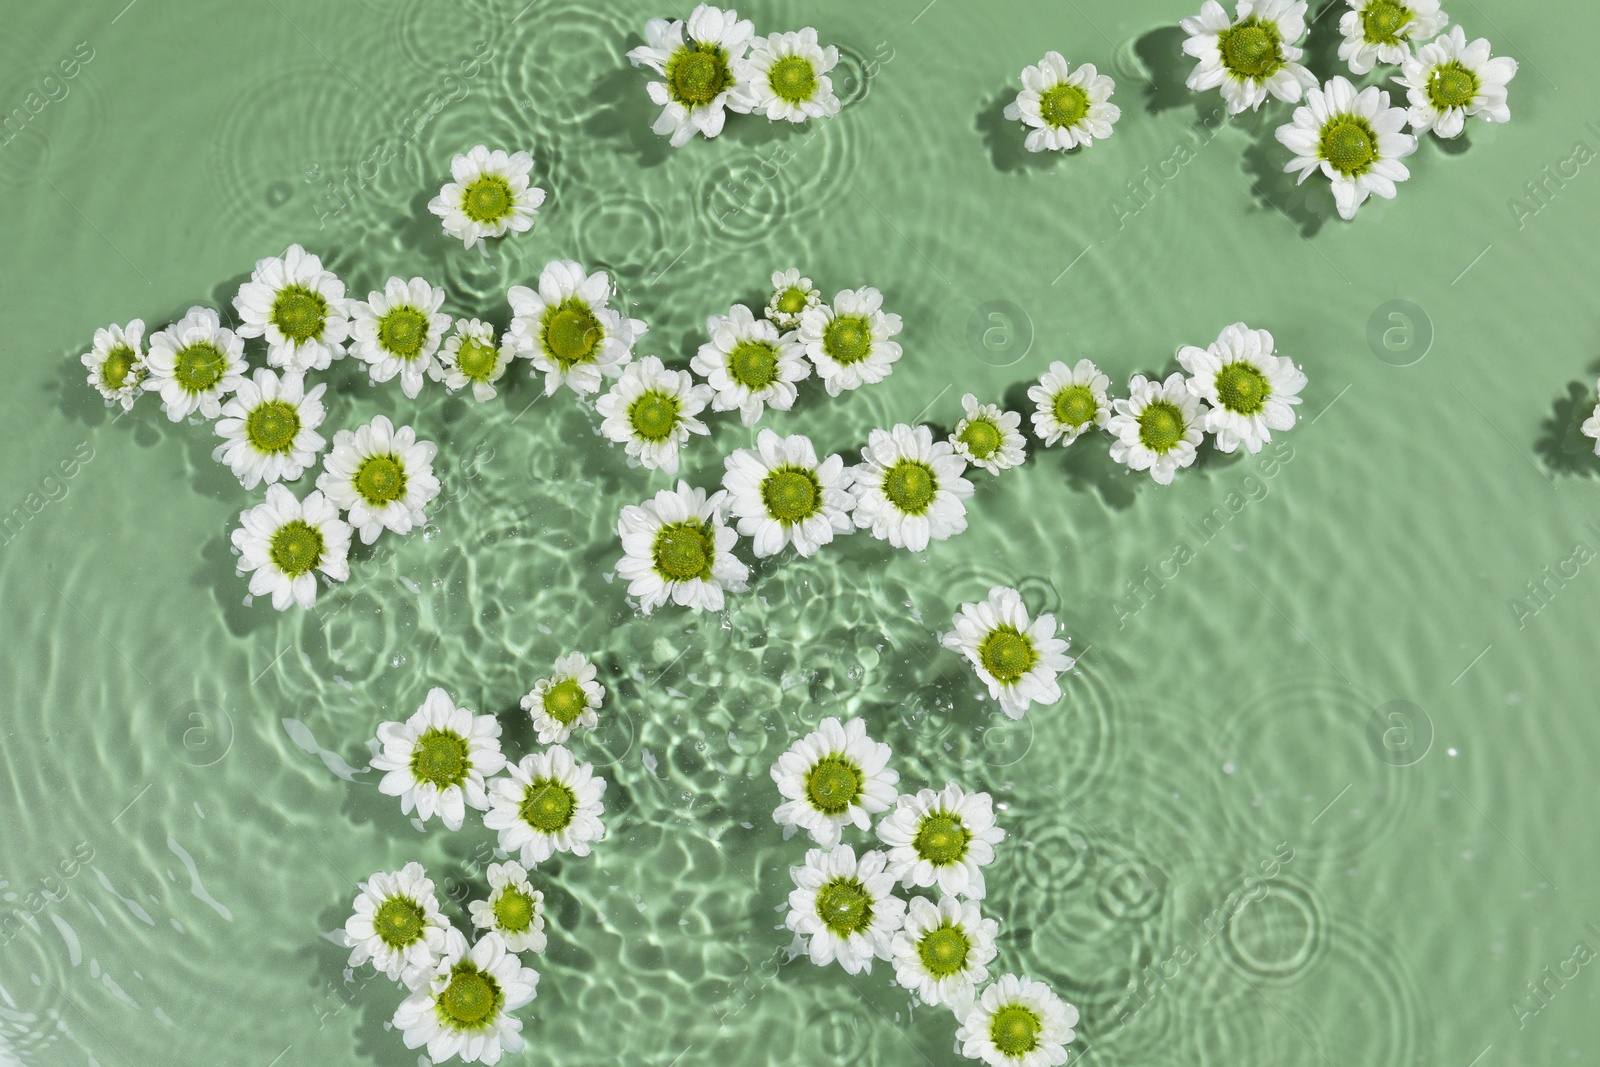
<point>1061,108</point>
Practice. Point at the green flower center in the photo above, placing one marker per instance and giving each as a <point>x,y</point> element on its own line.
<point>1242,388</point>
<point>565,701</point>
<point>654,415</point>
<point>469,1001</point>
<point>403,330</point>
<point>1250,49</point>
<point>199,367</point>
<point>487,199</point>
<point>296,548</point>
<point>1014,1030</point>
<point>117,365</point>
<point>848,339</point>
<point>299,313</point>
<point>476,360</point>
<point>1007,654</point>
<point>833,784</point>
<point>381,479</point>
<point>943,951</point>
<point>697,74</point>
<point>793,300</point>
<point>941,839</point>
<point>1349,144</point>
<point>982,438</point>
<point>753,364</point>
<point>399,921</point>
<point>684,551</point>
<point>272,426</point>
<point>1075,405</point>
<point>791,494</point>
<point>1063,105</point>
<point>910,486</point>
<point>1161,426</point>
<point>548,806</point>
<point>571,333</point>
<point>844,906</point>
<point>1452,85</point>
<point>514,911</point>
<point>1382,21</point>
<point>794,79</point>
<point>441,758</point>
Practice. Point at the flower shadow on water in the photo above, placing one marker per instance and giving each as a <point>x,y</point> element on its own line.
<point>1086,464</point>
<point>1307,206</point>
<point>1561,445</point>
<point>218,573</point>
<point>1161,52</point>
<point>626,113</point>
<point>1004,138</point>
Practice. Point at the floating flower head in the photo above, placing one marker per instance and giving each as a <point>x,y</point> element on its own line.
<point>849,341</point>
<point>1449,81</point>
<point>909,489</point>
<point>193,364</point>
<point>651,410</point>
<point>1157,428</point>
<point>546,804</point>
<point>699,63</point>
<point>438,760</point>
<point>1016,658</point>
<point>749,365</point>
<point>269,428</point>
<point>943,950</point>
<point>298,307</point>
<point>1383,31</point>
<point>472,356</point>
<point>285,543</point>
<point>567,329</point>
<point>833,777</point>
<point>464,1009</point>
<point>677,547</point>
<point>791,296</point>
<point>1069,402</point>
<point>398,331</point>
<point>1591,425</point>
<point>1250,390</point>
<point>944,839</point>
<point>1353,138</point>
<point>781,495</point>
<point>1017,1022</point>
<point>490,194</point>
<point>396,923</point>
<point>1063,108</point>
<point>514,909</point>
<point>1250,55</point>
<point>382,476</point>
<point>566,700</point>
<point>116,362</point>
<point>988,437</point>
<point>785,77</point>
<point>845,909</point>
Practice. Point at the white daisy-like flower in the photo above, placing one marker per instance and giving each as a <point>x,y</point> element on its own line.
<point>699,62</point>
<point>1591,425</point>
<point>943,950</point>
<point>566,700</point>
<point>781,495</point>
<point>465,1007</point>
<point>651,410</point>
<point>849,341</point>
<point>269,428</point>
<point>1157,428</point>
<point>382,476</point>
<point>677,547</point>
<point>1382,31</point>
<point>546,804</point>
<point>785,78</point>
<point>909,489</point>
<point>1018,1022</point>
<point>1063,108</point>
<point>845,908</point>
<point>1069,402</point>
<point>988,437</point>
<point>514,909</point>
<point>438,760</point>
<point>490,194</point>
<point>749,365</point>
<point>473,356</point>
<point>567,330</point>
<point>1250,389</point>
<point>1356,139</point>
<point>791,295</point>
<point>944,839</point>
<point>1016,658</point>
<point>300,309</point>
<point>833,777</point>
<point>1449,81</point>
<point>1250,55</point>
<point>193,364</point>
<point>116,362</point>
<point>284,543</point>
<point>396,923</point>
<point>398,331</point>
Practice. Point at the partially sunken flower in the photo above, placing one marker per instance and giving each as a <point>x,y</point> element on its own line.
<point>786,78</point>
<point>850,341</point>
<point>284,543</point>
<point>782,495</point>
<point>395,922</point>
<point>749,365</point>
<point>1068,402</point>
<point>546,804</point>
<point>1248,388</point>
<point>1250,55</point>
<point>382,476</point>
<point>465,1007</point>
<point>514,909</point>
<point>116,363</point>
<point>988,437</point>
<point>298,307</point>
<point>397,331</point>
<point>473,357</point>
<point>490,195</point>
<point>944,839</point>
<point>698,62</point>
<point>791,296</point>
<point>909,489</point>
<point>677,547</point>
<point>1063,108</point>
<point>438,760</point>
<point>1449,81</point>
<point>844,909</point>
<point>566,700</point>
<point>1017,1022</point>
<point>1383,31</point>
<point>567,330</point>
<point>652,411</point>
<point>193,364</point>
<point>833,777</point>
<point>269,429</point>
<point>1157,428</point>
<point>1353,138</point>
<point>1016,658</point>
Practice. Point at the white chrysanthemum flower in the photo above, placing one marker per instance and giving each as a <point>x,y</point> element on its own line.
<point>1353,138</point>
<point>1250,55</point>
<point>490,194</point>
<point>1157,428</point>
<point>514,909</point>
<point>1382,31</point>
<point>116,363</point>
<point>699,62</point>
<point>1591,425</point>
<point>298,307</point>
<point>269,428</point>
<point>566,700</point>
<point>844,908</point>
<point>398,331</point>
<point>472,356</point>
<point>988,437</point>
<point>849,341</point>
<point>909,489</point>
<point>781,495</point>
<point>1069,402</point>
<point>1018,1022</point>
<point>567,330</point>
<point>749,365</point>
<point>1063,108</point>
<point>546,804</point>
<point>791,296</point>
<point>396,923</point>
<point>382,476</point>
<point>652,410</point>
<point>193,364</point>
<point>438,760</point>
<point>677,547</point>
<point>1250,389</point>
<point>785,78</point>
<point>1449,81</point>
<point>284,543</point>
<point>943,950</point>
<point>465,1007</point>
<point>1016,658</point>
<point>833,777</point>
<point>944,839</point>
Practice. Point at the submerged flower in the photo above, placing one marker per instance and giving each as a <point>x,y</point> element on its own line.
<point>382,476</point>
<point>1250,390</point>
<point>1449,81</point>
<point>749,365</point>
<point>1069,402</point>
<point>652,410</point>
<point>269,429</point>
<point>785,77</point>
<point>285,543</point>
<point>844,908</point>
<point>546,804</point>
<point>194,363</point>
<point>567,329</point>
<point>1353,138</point>
<point>1157,428</point>
<point>566,700</point>
<point>489,195</point>
<point>834,777</point>
<point>1063,108</point>
<point>781,495</point>
<point>943,950</point>
<point>398,330</point>
<point>909,489</point>
<point>677,547</point>
<point>514,909</point>
<point>791,296</point>
<point>1250,55</point>
<point>438,760</point>
<point>989,437</point>
<point>472,356</point>
<point>464,1009</point>
<point>116,362</point>
<point>396,923</point>
<point>698,62</point>
<point>1017,659</point>
<point>1382,31</point>
<point>298,307</point>
<point>849,341</point>
<point>1018,1022</point>
<point>944,839</point>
